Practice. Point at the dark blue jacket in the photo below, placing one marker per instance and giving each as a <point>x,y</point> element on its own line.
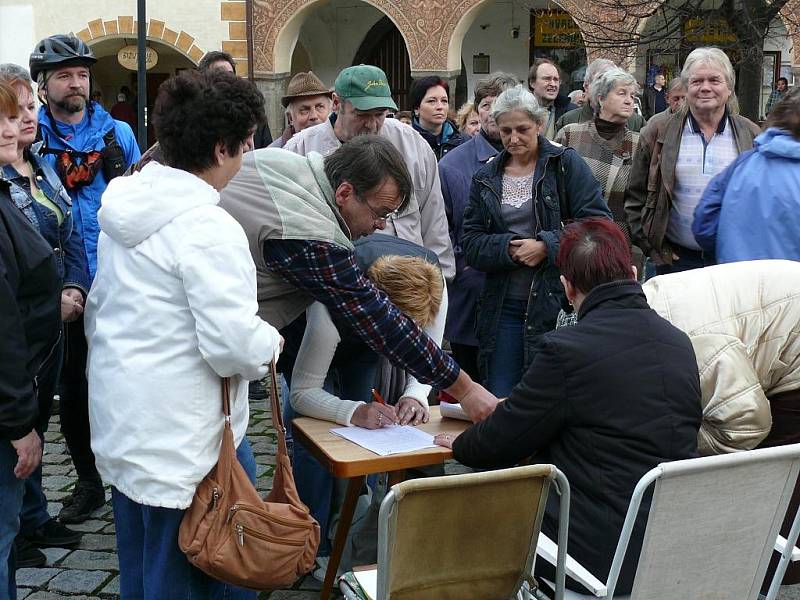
<point>87,136</point>
<point>751,210</point>
<point>455,173</point>
<point>64,239</point>
<point>562,178</point>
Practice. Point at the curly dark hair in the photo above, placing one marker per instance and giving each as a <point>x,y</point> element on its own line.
<point>196,110</point>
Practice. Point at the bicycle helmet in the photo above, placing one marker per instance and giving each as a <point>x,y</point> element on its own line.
<point>60,51</point>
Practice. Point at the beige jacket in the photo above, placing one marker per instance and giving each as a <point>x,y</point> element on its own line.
<point>744,323</point>
<point>424,221</point>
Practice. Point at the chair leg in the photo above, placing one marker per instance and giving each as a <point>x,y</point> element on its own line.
<point>345,520</point>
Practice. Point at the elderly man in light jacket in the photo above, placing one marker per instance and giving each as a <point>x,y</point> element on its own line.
<point>744,322</point>
<point>361,101</point>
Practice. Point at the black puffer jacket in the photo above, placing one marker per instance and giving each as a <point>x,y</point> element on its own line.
<point>605,401</point>
<point>30,318</point>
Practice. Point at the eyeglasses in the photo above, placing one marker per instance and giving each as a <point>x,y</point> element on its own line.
<point>379,217</point>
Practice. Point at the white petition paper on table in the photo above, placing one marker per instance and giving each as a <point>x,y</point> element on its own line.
<point>393,439</point>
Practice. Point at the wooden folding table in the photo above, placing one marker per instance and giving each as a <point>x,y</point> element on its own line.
<point>345,459</point>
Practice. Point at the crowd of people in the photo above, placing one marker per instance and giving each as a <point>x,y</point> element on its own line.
<point>429,253</point>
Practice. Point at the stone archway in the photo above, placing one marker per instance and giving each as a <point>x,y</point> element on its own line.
<point>157,31</point>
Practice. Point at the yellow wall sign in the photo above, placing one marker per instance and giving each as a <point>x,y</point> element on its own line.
<point>128,57</point>
<point>555,30</point>
<point>708,31</point>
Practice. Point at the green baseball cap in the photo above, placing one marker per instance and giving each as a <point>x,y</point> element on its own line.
<point>366,87</point>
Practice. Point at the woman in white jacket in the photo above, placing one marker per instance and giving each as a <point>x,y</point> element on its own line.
<point>171,311</point>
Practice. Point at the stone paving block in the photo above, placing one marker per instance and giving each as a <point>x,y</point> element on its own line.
<point>53,508</point>
<point>78,581</point>
<point>96,541</point>
<point>23,593</point>
<point>42,595</point>
<point>56,470</point>
<point>103,511</point>
<point>110,529</point>
<point>35,577</point>
<point>53,436</point>
<point>58,482</point>
<point>91,526</point>
<point>54,448</point>
<point>111,588</point>
<point>85,559</point>
<point>55,554</point>
<point>54,459</point>
<point>56,496</point>
<point>308,583</point>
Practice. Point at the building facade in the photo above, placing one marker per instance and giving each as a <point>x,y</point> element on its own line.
<point>459,40</point>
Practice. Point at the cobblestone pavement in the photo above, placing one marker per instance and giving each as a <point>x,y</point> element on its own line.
<point>90,572</point>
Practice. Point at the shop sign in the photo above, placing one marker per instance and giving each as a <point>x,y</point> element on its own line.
<point>708,31</point>
<point>555,29</point>
<point>128,57</point>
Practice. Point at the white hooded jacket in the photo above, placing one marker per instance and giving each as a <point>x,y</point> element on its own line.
<point>744,323</point>
<point>171,310</point>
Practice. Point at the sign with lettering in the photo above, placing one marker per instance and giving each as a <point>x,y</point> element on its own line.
<point>128,57</point>
<point>708,31</point>
<point>555,29</point>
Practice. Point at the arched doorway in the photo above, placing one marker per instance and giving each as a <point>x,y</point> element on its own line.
<point>110,77</point>
<point>384,47</point>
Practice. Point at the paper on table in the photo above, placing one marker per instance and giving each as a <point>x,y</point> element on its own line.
<point>453,411</point>
<point>368,580</point>
<point>392,439</point>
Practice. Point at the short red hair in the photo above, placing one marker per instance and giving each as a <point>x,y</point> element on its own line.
<point>593,252</point>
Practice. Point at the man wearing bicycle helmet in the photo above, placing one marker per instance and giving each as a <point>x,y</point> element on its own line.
<point>88,148</point>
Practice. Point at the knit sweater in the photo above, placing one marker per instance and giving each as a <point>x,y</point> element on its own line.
<point>609,160</point>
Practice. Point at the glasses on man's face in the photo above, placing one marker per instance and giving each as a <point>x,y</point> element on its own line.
<point>385,217</point>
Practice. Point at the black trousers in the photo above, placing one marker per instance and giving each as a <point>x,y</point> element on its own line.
<point>74,394</point>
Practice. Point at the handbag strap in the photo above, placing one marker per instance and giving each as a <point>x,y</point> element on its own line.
<point>226,397</point>
<point>277,415</point>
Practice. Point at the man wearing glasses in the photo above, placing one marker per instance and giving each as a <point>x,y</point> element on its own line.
<point>544,80</point>
<point>301,216</point>
<point>361,102</point>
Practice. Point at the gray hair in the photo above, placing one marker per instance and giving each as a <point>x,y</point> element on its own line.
<point>595,68</point>
<point>676,83</point>
<point>574,94</point>
<point>518,98</point>
<point>607,81</point>
<point>710,56</point>
<point>12,71</point>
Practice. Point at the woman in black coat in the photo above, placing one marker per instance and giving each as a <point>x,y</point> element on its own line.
<point>604,401</point>
<point>30,323</point>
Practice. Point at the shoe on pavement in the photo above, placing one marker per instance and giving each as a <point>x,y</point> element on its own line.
<point>53,535</point>
<point>257,390</point>
<point>28,555</point>
<point>87,497</point>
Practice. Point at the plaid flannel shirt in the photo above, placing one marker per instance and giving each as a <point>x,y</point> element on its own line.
<point>329,274</point>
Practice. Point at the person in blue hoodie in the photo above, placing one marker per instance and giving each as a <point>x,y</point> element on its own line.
<point>87,148</point>
<point>751,210</point>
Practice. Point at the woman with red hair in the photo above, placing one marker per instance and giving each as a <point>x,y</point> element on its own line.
<point>605,401</point>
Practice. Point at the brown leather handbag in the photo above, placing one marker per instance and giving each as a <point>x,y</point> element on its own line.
<point>232,534</point>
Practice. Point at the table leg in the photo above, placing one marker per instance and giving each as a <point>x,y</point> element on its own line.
<point>345,520</point>
<point>396,477</point>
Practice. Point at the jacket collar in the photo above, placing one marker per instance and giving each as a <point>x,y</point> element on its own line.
<point>625,293</point>
<point>546,150</point>
<point>484,151</point>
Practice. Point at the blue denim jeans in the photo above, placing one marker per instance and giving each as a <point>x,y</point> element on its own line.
<point>11,490</point>
<point>352,375</point>
<point>151,565</point>
<point>505,363</point>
